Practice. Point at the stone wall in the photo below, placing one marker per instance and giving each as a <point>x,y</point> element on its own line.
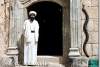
<point>4,21</point>
<point>91,7</point>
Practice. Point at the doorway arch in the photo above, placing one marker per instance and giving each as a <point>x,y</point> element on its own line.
<point>20,14</point>
<point>49,16</point>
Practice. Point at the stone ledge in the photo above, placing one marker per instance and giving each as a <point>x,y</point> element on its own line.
<point>49,65</point>
<point>12,51</point>
<point>43,60</point>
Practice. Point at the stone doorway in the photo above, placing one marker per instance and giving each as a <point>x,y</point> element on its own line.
<point>19,14</point>
<point>49,16</point>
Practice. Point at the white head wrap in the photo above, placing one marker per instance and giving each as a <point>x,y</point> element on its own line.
<point>32,12</point>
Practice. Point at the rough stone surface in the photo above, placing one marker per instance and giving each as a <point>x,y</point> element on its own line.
<point>6,62</point>
<point>95,49</point>
<point>94,2</point>
<point>49,65</point>
<point>86,2</point>
<point>92,12</point>
<point>93,25</point>
<point>91,7</point>
<point>3,29</point>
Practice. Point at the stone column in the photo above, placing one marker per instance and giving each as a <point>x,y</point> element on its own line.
<point>18,14</point>
<point>75,27</point>
<point>12,48</point>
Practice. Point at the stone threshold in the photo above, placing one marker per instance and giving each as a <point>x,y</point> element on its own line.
<point>48,65</point>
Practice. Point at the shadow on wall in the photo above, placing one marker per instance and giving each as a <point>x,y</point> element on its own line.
<point>20,45</point>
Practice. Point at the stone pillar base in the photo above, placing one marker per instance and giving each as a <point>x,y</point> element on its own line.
<point>13,52</point>
<point>74,53</point>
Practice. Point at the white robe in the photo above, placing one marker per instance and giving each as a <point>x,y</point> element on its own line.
<point>30,46</point>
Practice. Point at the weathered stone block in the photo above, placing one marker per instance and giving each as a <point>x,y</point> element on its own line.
<point>94,12</point>
<point>2,15</point>
<point>89,49</point>
<point>91,11</point>
<point>94,2</point>
<point>86,2</point>
<point>92,25</point>
<point>82,15</point>
<point>95,25</point>
<point>95,49</point>
<point>6,62</point>
<point>2,28</point>
<point>1,1</point>
<point>83,37</point>
<point>93,37</point>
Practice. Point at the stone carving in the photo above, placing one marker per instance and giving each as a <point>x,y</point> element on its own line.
<point>24,1</point>
<point>85,31</point>
<point>7,62</point>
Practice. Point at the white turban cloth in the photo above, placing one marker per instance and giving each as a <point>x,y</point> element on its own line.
<point>32,12</point>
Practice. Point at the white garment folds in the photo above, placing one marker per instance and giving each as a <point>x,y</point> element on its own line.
<point>31,33</point>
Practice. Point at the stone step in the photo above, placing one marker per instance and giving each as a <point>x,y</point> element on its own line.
<point>48,65</point>
<point>44,60</point>
<point>47,61</point>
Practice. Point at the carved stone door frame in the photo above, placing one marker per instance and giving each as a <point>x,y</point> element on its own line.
<point>71,24</point>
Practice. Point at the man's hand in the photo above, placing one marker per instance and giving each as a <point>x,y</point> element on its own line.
<point>36,42</point>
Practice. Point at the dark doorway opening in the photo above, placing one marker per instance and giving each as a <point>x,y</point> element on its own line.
<point>49,16</point>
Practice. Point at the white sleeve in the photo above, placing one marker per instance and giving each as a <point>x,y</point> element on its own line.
<point>24,27</point>
<point>36,32</point>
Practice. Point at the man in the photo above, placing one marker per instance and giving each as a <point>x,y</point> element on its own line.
<point>31,34</point>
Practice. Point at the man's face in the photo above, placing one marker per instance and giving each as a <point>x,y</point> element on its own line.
<point>32,15</point>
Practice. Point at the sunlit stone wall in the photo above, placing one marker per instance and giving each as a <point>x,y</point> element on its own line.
<point>91,7</point>
<point>4,25</point>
